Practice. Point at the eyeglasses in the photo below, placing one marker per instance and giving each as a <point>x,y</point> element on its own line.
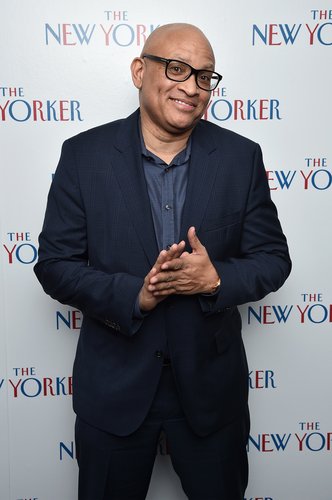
<point>179,71</point>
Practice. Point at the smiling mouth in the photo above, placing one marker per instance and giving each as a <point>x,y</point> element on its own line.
<point>188,105</point>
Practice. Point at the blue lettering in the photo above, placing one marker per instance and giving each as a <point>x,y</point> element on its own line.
<point>229,111</point>
<point>320,436</point>
<point>68,450</point>
<point>288,34</point>
<point>116,38</point>
<point>262,36</point>
<point>38,387</point>
<point>322,308</point>
<point>50,108</point>
<point>74,109</point>
<point>19,257</point>
<point>329,179</point>
<point>279,441</point>
<point>281,313</point>
<point>257,315</point>
<point>60,316</point>
<point>28,109</point>
<point>319,36</point>
<point>283,178</point>
<point>55,35</point>
<point>60,387</point>
<point>274,106</point>
<point>257,444</point>
<point>82,34</point>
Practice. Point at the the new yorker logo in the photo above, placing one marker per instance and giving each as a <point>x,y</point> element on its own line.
<point>116,30</point>
<point>315,175</point>
<point>309,438</point>
<point>25,383</point>
<point>311,309</point>
<point>316,32</point>
<point>19,248</point>
<point>221,108</point>
<point>15,106</point>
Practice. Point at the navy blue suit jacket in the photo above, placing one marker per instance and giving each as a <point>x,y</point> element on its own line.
<point>98,243</point>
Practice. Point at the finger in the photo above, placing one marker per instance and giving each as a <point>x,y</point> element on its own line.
<point>194,242</point>
<point>163,292</point>
<point>173,265</point>
<point>162,277</point>
<point>175,250</point>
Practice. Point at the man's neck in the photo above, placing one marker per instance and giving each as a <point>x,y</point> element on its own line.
<point>164,145</point>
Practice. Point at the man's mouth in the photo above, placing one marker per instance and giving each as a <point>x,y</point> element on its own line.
<point>186,104</point>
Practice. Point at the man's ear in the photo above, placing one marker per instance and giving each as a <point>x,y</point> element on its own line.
<point>137,71</point>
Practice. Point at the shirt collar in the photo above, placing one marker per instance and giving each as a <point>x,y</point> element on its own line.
<point>181,158</point>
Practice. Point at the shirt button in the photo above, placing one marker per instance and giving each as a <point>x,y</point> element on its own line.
<point>158,354</point>
<point>168,207</point>
<point>167,170</point>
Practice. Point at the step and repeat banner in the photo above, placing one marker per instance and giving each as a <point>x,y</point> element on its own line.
<point>65,68</point>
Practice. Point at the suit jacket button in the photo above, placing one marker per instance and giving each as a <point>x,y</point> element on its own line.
<point>158,354</point>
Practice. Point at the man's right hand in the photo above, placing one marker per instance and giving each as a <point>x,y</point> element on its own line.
<point>147,301</point>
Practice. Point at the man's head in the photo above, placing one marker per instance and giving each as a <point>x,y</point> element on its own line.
<point>167,106</point>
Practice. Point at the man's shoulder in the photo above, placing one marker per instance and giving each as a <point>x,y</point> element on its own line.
<point>224,137</point>
<point>104,132</point>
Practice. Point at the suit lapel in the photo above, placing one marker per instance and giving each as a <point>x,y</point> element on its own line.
<point>130,174</point>
<point>203,168</point>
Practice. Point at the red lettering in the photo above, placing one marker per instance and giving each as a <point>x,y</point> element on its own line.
<point>266,313</point>
<point>238,108</point>
<point>302,312</point>
<point>270,179</point>
<point>329,440</point>
<point>70,385</point>
<point>15,386</point>
<point>76,320</point>
<point>265,442</point>
<point>48,384</point>
<point>37,107</point>
<point>141,33</point>
<point>263,108</point>
<point>259,378</point>
<point>312,33</point>
<point>10,254</point>
<point>306,179</point>
<point>107,34</point>
<point>63,108</point>
<point>300,441</point>
<point>65,33</point>
<point>3,109</point>
<point>272,33</point>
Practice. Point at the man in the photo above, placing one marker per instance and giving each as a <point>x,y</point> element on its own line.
<point>157,227</point>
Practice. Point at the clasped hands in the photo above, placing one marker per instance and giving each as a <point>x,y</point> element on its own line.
<point>178,272</point>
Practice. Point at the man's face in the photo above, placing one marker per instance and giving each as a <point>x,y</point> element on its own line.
<point>174,107</point>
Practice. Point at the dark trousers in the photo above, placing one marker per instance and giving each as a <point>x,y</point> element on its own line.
<point>119,468</point>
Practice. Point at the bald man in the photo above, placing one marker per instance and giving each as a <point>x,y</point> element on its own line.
<point>157,227</point>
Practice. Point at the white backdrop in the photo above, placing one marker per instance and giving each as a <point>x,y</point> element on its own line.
<point>65,68</point>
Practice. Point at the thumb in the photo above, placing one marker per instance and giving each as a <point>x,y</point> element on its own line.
<point>194,242</point>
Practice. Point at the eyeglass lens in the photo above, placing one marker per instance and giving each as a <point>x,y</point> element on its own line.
<point>179,71</point>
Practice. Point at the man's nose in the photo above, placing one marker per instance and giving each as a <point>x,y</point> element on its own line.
<point>190,85</point>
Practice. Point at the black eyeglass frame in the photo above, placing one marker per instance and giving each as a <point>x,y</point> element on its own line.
<point>193,71</point>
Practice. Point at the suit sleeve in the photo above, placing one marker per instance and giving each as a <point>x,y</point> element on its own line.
<point>63,266</point>
<point>262,263</point>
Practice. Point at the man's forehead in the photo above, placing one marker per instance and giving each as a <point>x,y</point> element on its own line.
<point>168,36</point>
